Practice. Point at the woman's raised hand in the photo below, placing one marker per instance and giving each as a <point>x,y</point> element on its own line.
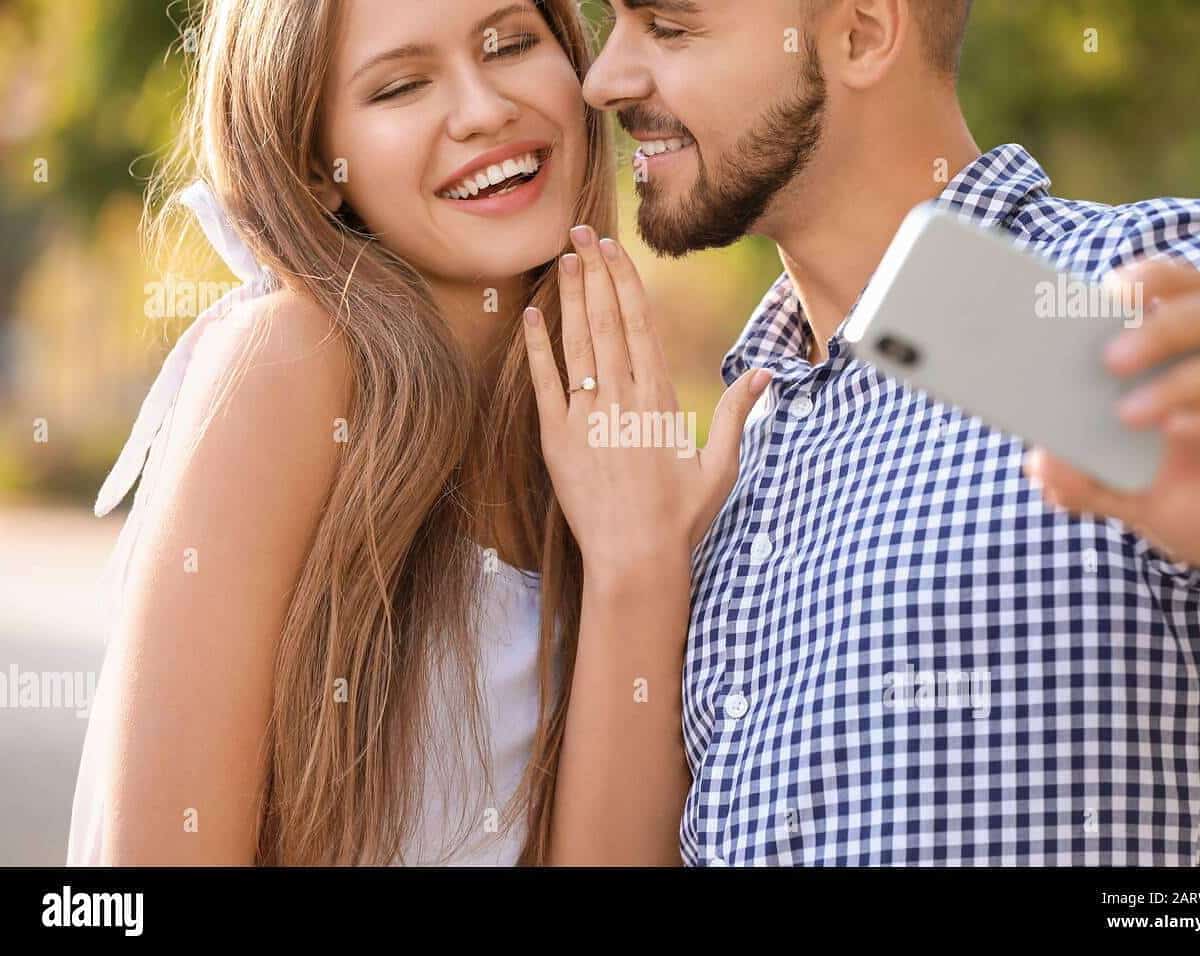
<point>622,456</point>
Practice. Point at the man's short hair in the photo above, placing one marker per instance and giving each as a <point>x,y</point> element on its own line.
<point>943,25</point>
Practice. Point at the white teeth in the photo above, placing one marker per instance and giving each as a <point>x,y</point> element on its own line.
<point>494,175</point>
<point>655,146</point>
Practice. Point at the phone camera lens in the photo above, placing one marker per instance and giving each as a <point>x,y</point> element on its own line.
<point>899,351</point>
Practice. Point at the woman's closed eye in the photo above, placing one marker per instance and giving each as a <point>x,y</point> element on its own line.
<point>512,46</point>
<point>398,90</point>
<point>660,32</point>
<point>501,49</point>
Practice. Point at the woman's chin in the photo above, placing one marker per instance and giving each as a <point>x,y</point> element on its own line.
<point>516,258</point>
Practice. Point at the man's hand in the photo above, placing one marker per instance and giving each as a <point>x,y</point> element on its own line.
<point>1167,513</point>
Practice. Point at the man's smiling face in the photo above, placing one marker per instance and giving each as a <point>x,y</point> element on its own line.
<point>728,102</point>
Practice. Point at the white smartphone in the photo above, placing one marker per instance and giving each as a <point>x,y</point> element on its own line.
<point>964,314</point>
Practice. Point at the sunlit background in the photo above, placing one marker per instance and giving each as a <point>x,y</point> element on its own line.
<point>88,89</point>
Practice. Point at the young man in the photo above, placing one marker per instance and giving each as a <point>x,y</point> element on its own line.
<point>903,650</point>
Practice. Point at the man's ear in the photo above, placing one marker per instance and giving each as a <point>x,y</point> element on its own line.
<point>325,183</point>
<point>871,36</point>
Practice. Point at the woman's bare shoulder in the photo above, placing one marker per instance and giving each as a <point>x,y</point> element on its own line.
<point>283,338</point>
<point>255,435</point>
<point>275,370</point>
<point>230,524</point>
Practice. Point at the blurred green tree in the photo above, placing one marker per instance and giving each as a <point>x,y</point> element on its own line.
<point>1101,91</point>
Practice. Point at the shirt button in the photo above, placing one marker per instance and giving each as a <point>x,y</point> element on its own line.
<point>736,706</point>
<point>761,546</point>
<point>802,407</point>
<point>716,861</point>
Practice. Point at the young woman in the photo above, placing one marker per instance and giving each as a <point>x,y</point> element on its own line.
<point>361,617</point>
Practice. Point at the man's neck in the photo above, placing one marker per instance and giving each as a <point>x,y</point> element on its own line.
<point>832,242</point>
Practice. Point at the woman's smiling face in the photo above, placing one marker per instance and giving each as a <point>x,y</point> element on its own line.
<point>429,100</point>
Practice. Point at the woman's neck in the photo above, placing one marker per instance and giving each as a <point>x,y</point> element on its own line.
<point>482,316</point>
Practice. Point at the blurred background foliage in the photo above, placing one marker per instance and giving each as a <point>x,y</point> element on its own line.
<point>88,89</point>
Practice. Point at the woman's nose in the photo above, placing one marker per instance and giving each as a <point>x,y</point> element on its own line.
<point>481,108</point>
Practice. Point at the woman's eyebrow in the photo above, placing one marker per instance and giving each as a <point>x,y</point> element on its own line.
<point>496,16</point>
<point>396,53</point>
<point>428,49</point>
<point>662,6</point>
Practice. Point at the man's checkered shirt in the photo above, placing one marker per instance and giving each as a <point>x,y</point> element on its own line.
<point>898,654</point>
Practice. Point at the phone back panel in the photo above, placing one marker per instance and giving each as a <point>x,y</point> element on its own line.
<point>997,332</point>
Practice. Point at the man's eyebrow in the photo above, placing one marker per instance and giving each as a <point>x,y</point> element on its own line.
<point>663,6</point>
<point>428,49</point>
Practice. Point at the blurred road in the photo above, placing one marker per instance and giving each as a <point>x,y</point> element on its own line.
<point>50,622</point>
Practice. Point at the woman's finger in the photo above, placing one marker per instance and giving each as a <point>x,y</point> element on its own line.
<point>1176,390</point>
<point>720,458</point>
<point>547,386</point>
<point>576,336</point>
<point>720,455</point>
<point>603,312</point>
<point>641,337</point>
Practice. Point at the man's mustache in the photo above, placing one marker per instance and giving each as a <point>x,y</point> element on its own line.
<point>644,121</point>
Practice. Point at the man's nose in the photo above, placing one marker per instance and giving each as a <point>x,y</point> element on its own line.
<point>617,78</point>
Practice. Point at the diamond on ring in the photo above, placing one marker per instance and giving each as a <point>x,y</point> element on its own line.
<point>587,385</point>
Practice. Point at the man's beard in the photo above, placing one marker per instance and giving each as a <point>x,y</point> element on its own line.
<point>723,207</point>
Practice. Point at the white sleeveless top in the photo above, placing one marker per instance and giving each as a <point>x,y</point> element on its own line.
<point>460,802</point>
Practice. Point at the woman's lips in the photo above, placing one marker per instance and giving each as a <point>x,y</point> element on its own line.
<point>515,200</point>
<point>510,151</point>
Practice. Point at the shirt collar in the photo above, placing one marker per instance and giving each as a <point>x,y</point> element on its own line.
<point>991,190</point>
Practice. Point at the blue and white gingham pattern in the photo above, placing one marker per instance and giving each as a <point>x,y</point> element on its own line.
<point>874,532</point>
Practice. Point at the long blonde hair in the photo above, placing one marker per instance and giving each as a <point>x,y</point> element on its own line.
<point>389,593</point>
